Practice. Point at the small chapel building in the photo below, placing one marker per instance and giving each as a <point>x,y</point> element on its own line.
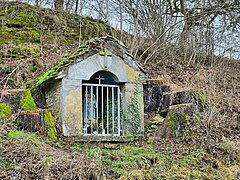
<point>97,93</point>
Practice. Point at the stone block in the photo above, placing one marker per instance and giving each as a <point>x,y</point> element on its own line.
<point>153,98</point>
<point>176,120</point>
<point>31,121</point>
<point>12,98</point>
<point>174,98</point>
<point>18,99</point>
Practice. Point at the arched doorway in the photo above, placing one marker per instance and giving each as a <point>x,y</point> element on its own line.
<point>101,105</point>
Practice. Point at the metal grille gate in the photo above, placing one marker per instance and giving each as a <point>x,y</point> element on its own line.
<point>101,110</point>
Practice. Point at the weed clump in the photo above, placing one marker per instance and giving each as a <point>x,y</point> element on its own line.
<point>27,102</point>
<point>50,126</point>
<point>5,110</point>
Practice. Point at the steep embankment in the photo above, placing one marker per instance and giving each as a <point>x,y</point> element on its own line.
<point>33,39</point>
<point>216,124</point>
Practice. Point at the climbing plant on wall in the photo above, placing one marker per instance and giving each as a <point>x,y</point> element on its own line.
<point>134,112</point>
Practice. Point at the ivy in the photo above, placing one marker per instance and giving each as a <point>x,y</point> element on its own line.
<point>134,112</point>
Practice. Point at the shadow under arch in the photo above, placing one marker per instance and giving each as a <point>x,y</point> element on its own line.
<point>103,77</point>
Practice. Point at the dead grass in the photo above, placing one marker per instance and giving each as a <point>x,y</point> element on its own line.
<point>30,158</point>
<point>218,81</point>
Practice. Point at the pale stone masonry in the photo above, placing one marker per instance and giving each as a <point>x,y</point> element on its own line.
<point>97,93</point>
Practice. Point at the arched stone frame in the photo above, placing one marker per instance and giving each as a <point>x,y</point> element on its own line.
<point>101,96</point>
<point>84,69</point>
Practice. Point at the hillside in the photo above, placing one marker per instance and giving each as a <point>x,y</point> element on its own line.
<point>33,40</point>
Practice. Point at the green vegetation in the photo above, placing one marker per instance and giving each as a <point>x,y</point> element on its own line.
<point>55,70</point>
<point>81,50</point>
<point>56,33</point>
<point>5,110</point>
<point>6,165</point>
<point>175,118</point>
<point>28,25</point>
<point>76,147</point>
<point>16,134</point>
<point>146,162</point>
<point>19,52</point>
<point>50,125</point>
<point>24,19</point>
<point>27,102</point>
<point>203,104</point>
<point>134,114</point>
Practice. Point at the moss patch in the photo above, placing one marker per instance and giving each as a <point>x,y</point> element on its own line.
<point>50,125</point>
<point>176,120</point>
<point>65,63</point>
<point>16,134</point>
<point>27,102</point>
<point>147,162</point>
<point>5,110</point>
<point>53,72</point>
<point>24,19</point>
<point>19,52</point>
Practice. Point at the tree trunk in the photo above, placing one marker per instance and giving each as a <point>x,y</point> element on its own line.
<point>58,5</point>
<point>76,7</point>
<point>67,6</point>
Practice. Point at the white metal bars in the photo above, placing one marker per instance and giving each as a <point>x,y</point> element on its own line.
<point>101,110</point>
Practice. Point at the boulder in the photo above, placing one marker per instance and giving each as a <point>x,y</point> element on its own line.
<point>176,120</point>
<point>18,100</point>
<point>31,121</point>
<point>174,98</point>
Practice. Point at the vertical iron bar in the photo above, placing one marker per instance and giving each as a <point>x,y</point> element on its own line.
<point>112,110</point>
<point>97,107</point>
<point>107,112</point>
<point>92,119</point>
<point>118,97</point>
<point>103,131</point>
<point>86,110</point>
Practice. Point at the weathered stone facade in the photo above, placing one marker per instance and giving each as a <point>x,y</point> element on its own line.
<point>52,96</point>
<point>65,88</point>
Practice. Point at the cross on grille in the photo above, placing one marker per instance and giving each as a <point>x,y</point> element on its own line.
<point>99,78</point>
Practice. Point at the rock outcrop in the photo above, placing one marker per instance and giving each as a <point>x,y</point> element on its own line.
<point>172,106</point>
<point>19,106</point>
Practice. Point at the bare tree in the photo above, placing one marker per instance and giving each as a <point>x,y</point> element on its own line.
<point>58,5</point>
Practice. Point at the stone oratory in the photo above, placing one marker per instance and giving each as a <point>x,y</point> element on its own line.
<point>97,93</point>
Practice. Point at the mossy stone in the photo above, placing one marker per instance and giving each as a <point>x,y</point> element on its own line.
<point>66,62</point>
<point>50,125</point>
<point>176,119</point>
<point>5,110</point>
<point>27,102</point>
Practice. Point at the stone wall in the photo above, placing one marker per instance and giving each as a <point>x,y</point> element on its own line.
<point>52,96</point>
<point>133,106</point>
<point>71,107</point>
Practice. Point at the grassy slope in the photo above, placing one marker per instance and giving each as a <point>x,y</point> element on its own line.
<point>32,40</point>
<point>26,155</point>
<point>37,39</point>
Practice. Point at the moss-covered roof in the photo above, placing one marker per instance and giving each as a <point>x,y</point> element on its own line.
<point>104,46</point>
